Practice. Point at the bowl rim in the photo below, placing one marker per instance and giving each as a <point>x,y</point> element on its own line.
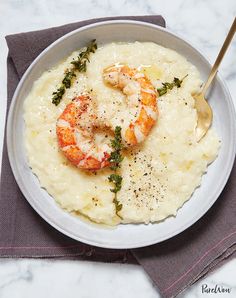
<point>15,170</point>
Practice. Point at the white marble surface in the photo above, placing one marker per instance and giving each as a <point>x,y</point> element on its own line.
<point>203,22</point>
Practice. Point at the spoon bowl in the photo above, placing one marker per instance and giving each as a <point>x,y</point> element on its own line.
<point>205,116</point>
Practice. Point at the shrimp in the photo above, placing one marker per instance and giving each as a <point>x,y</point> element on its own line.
<point>139,93</point>
<point>75,126</point>
<point>75,135</point>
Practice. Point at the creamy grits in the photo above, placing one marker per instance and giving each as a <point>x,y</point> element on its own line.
<point>159,175</point>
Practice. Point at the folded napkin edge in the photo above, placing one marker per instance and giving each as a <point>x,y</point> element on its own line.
<point>93,21</point>
<point>25,42</point>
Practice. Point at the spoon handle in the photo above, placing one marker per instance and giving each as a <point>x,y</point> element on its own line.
<point>219,57</point>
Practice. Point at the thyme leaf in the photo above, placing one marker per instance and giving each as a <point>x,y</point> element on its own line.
<point>68,78</point>
<point>57,95</point>
<point>79,65</point>
<point>118,205</point>
<point>169,86</point>
<point>115,159</point>
<point>117,180</point>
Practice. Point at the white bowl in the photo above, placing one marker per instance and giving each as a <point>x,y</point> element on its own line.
<point>132,235</point>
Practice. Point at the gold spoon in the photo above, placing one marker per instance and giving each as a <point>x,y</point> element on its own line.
<point>204,111</point>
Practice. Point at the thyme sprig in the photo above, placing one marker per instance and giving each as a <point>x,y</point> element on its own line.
<point>169,86</point>
<point>79,65</point>
<point>116,159</point>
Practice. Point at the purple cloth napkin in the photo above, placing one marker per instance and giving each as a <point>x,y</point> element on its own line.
<point>172,265</point>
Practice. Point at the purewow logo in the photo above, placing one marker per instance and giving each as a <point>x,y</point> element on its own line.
<point>217,289</point>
